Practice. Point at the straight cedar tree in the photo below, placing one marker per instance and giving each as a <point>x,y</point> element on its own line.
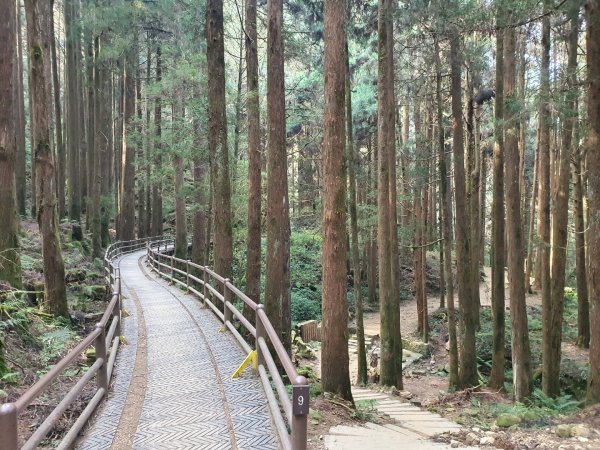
<point>544,231</point>
<point>181,244</point>
<point>353,159</point>
<point>20,174</point>
<point>253,240</point>
<point>592,11</point>
<point>157,209</point>
<point>99,146</point>
<point>277,288</point>
<point>10,261</point>
<point>467,357</point>
<point>446,210</point>
<point>560,218</point>
<point>391,343</point>
<point>497,256</point>
<point>55,294</point>
<point>521,355</point>
<point>72,122</point>
<point>217,138</point>
<point>126,228</point>
<point>60,143</point>
<point>335,375</point>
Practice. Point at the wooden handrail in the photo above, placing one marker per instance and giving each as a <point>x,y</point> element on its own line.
<point>295,410</point>
<point>101,369</point>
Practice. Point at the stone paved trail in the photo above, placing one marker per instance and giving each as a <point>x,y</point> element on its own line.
<point>172,387</point>
<point>413,427</point>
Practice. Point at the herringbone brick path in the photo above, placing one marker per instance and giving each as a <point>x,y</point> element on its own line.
<point>189,398</point>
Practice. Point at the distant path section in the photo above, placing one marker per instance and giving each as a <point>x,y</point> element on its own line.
<point>172,387</point>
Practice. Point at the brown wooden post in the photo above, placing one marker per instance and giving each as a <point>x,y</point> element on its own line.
<point>172,272</point>
<point>118,305</point>
<point>100,345</point>
<point>8,427</point>
<point>228,315</point>
<point>187,274</point>
<point>260,332</point>
<point>300,405</point>
<point>205,289</point>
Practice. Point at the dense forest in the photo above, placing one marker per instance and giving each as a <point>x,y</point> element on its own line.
<point>330,157</point>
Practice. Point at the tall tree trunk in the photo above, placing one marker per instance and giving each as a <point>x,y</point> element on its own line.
<point>468,363</point>
<point>141,179</point>
<point>277,290</point>
<point>21,157</point>
<point>55,295</point>
<point>157,208</point>
<point>583,305</point>
<point>391,343</point>
<point>103,143</point>
<point>532,215</point>
<point>181,244</point>
<point>419,220</point>
<point>334,363</point>
<point>217,139</point>
<point>544,231</point>
<point>521,358</point>
<point>253,240</point>
<point>60,144</point>
<point>99,142</point>
<point>446,210</point>
<point>10,259</point>
<point>126,228</point>
<point>353,157</point>
<point>90,119</point>
<point>560,219</point>
<point>497,254</point>
<point>592,10</point>
<point>72,113</point>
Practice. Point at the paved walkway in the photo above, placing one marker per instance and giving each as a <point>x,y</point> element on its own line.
<point>172,387</point>
<point>413,427</point>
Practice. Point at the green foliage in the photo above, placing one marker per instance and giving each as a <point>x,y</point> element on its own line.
<point>365,410</point>
<point>55,341</point>
<point>564,404</point>
<point>306,272</point>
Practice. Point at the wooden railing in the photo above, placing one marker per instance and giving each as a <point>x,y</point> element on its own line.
<point>104,338</point>
<point>207,285</point>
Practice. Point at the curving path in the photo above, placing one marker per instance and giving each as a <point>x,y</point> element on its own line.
<point>172,387</point>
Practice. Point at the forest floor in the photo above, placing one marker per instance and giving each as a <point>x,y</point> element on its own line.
<point>545,423</point>
<point>35,341</point>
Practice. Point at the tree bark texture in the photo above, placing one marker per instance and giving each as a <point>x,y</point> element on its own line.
<point>335,373</point>
<point>10,259</point>
<point>55,296</point>
<point>498,250</point>
<point>468,363</point>
<point>521,357</point>
<point>277,289</point>
<point>217,138</point>
<point>157,207</point>
<point>253,240</point>
<point>592,11</point>
<point>391,343</point>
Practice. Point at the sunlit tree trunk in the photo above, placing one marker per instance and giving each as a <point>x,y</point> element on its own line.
<point>521,357</point>
<point>497,254</point>
<point>157,207</point>
<point>468,364</point>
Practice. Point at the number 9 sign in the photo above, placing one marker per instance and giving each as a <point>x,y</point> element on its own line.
<point>300,400</point>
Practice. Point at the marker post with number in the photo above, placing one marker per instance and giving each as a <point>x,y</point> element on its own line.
<point>300,408</point>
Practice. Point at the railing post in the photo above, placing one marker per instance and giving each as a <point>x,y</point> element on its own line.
<point>227,314</point>
<point>172,272</point>
<point>300,405</point>
<point>100,346</point>
<point>187,274</point>
<point>118,305</point>
<point>205,289</point>
<point>9,435</point>
<point>260,332</point>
